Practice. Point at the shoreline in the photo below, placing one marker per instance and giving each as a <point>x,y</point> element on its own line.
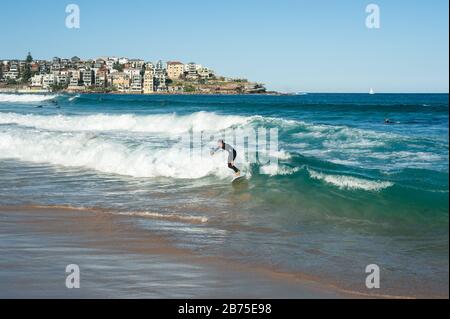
<point>22,91</point>
<point>85,234</point>
<point>111,250</point>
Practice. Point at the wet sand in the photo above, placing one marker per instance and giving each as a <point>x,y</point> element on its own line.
<point>119,260</point>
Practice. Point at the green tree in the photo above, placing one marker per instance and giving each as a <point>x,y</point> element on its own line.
<point>57,87</point>
<point>189,88</point>
<point>26,76</point>
<point>29,58</point>
<point>117,66</point>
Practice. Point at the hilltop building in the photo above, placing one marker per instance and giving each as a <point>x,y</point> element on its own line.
<point>88,78</point>
<point>175,69</point>
<point>148,82</point>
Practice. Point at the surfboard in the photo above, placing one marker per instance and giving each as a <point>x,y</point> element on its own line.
<point>237,178</point>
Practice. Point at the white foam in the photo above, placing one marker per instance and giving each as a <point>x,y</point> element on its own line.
<point>274,169</point>
<point>74,97</point>
<point>25,98</point>
<point>350,182</point>
<point>108,155</point>
<point>167,123</point>
<point>170,216</point>
<point>363,148</point>
<point>416,156</point>
<point>345,162</point>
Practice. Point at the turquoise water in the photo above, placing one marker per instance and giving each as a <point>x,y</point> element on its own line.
<point>348,191</point>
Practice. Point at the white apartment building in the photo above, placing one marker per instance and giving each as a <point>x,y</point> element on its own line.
<point>11,75</point>
<point>204,72</point>
<point>62,79</point>
<point>48,80</point>
<point>123,60</point>
<point>191,69</point>
<point>136,63</point>
<point>36,81</point>
<point>132,72</point>
<point>110,64</point>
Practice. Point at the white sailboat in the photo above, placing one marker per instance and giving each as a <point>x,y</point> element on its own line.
<point>371,91</point>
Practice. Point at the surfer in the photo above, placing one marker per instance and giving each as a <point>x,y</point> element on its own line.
<point>231,155</point>
<point>388,121</point>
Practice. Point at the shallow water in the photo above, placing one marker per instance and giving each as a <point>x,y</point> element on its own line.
<point>348,190</point>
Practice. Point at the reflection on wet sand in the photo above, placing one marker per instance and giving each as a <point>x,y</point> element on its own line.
<point>119,259</point>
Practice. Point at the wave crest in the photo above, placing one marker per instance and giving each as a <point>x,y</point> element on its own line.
<point>165,123</point>
<point>25,98</point>
<point>108,155</point>
<point>350,182</point>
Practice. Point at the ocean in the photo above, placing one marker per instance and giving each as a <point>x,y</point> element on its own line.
<point>347,189</point>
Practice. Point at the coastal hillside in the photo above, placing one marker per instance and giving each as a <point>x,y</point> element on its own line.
<point>118,75</point>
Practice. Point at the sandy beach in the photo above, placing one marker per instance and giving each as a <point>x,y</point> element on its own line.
<point>117,260</point>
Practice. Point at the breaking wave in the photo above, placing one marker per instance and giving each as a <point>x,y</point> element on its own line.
<point>148,147</point>
<point>350,182</point>
<point>173,123</point>
<point>108,155</point>
<point>25,98</point>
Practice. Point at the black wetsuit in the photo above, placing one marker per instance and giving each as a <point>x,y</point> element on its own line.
<point>231,155</point>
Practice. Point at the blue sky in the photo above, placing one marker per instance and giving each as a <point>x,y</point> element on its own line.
<point>290,45</point>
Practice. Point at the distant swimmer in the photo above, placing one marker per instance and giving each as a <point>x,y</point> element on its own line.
<point>388,121</point>
<point>231,155</point>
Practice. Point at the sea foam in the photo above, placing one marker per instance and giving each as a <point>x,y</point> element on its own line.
<point>108,155</point>
<point>350,182</point>
<point>165,123</point>
<point>25,98</point>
